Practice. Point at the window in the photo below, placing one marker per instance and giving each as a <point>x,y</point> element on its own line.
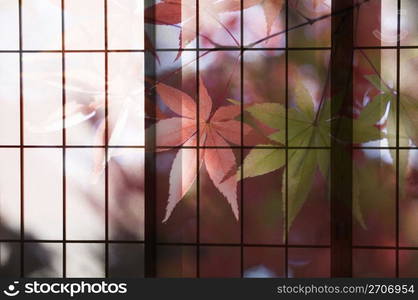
<point>202,138</point>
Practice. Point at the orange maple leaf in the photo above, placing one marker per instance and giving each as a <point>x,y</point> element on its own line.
<point>215,130</point>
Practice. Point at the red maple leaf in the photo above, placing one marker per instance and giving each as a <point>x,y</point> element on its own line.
<point>215,130</point>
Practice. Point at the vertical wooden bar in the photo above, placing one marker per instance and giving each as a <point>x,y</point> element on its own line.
<point>150,156</point>
<point>22,149</point>
<point>341,152</point>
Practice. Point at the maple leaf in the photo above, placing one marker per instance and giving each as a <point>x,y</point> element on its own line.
<point>216,129</point>
<point>306,128</point>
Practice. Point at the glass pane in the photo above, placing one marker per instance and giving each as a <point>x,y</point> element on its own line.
<point>308,262</point>
<point>220,262</point>
<point>42,90</point>
<point>263,208</point>
<point>308,207</point>
<point>10,193</point>
<point>126,260</point>
<point>309,87</point>
<point>218,26</point>
<point>261,21</point>
<point>176,261</point>
<point>176,179</point>
<point>314,34</point>
<point>408,263</point>
<point>264,93</point>
<point>41,21</point>
<point>85,260</point>
<point>172,27</point>
<point>84,24</point>
<point>126,195</point>
<point>377,22</point>
<point>126,99</point>
<point>219,199</point>
<point>176,100</point>
<point>374,263</point>
<point>9,25</point>
<point>262,262</point>
<point>10,99</point>
<point>226,84</point>
<point>409,22</point>
<point>10,260</point>
<point>85,98</point>
<point>125,24</point>
<point>374,202</point>
<point>43,193</point>
<point>43,260</point>
<point>408,98</point>
<point>408,206</point>
<point>85,196</point>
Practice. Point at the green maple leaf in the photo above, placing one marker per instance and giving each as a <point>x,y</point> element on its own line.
<point>306,128</point>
